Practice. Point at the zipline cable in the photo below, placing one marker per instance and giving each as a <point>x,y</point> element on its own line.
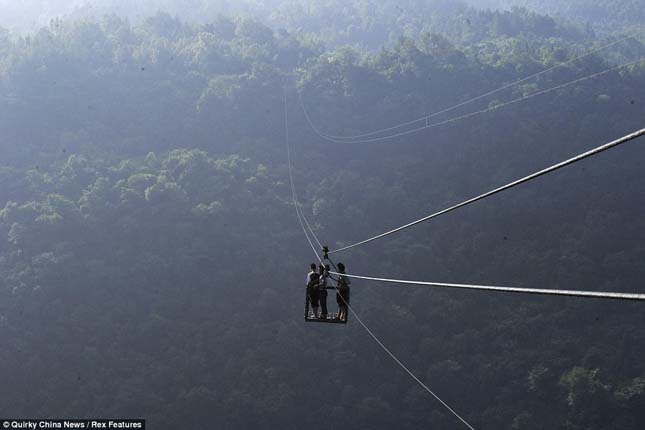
<point>302,213</point>
<point>471,100</point>
<point>512,84</point>
<point>310,229</point>
<point>468,115</point>
<point>294,194</point>
<point>539,291</point>
<point>532,176</point>
<point>372,335</point>
<point>293,188</point>
<point>517,100</point>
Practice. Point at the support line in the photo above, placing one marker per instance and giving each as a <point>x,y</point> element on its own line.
<point>403,366</point>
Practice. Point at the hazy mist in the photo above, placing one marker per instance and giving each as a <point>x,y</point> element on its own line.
<point>158,160</point>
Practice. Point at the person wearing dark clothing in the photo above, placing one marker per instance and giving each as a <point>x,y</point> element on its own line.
<point>313,291</point>
<point>322,286</point>
<point>342,295</point>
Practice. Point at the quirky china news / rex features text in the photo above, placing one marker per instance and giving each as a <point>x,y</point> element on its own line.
<point>34,424</point>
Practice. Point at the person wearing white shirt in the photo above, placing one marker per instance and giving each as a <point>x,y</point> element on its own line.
<point>312,289</point>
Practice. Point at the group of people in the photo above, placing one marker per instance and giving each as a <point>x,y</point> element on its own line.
<point>318,280</point>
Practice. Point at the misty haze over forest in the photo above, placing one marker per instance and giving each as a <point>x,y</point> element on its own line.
<point>154,264</point>
<point>309,15</point>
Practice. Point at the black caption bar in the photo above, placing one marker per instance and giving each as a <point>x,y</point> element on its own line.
<point>90,424</point>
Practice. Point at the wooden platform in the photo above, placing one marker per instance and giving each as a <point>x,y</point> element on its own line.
<point>331,319</point>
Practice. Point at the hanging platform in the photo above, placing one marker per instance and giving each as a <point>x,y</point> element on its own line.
<point>332,317</point>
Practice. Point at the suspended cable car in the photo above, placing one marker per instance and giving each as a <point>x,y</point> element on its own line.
<point>318,280</point>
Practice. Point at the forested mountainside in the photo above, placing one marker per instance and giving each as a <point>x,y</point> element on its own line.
<point>364,22</point>
<point>368,24</point>
<point>605,16</point>
<point>152,264</point>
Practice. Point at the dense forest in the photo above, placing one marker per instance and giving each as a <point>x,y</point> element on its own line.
<point>368,24</point>
<point>310,15</point>
<point>151,260</point>
<point>605,16</point>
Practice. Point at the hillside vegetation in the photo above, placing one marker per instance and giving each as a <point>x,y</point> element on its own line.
<point>152,264</point>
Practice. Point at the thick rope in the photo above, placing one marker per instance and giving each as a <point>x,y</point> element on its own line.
<point>539,291</point>
<point>530,177</point>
